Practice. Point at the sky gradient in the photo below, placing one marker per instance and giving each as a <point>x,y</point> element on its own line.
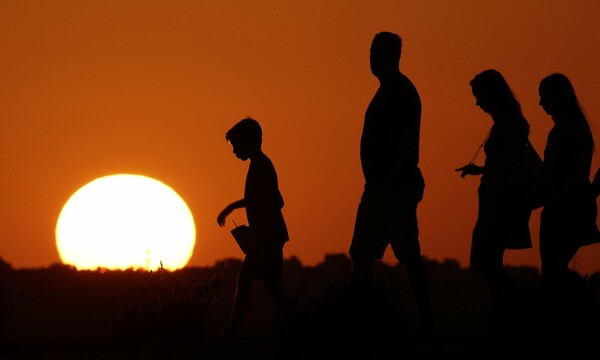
<point>89,89</point>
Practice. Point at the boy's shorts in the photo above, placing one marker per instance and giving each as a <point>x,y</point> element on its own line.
<point>387,217</point>
<point>266,263</point>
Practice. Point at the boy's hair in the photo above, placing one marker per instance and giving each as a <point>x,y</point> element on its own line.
<point>246,130</point>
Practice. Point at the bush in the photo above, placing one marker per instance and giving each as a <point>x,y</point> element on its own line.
<point>164,312</point>
<point>5,308</point>
<point>342,320</point>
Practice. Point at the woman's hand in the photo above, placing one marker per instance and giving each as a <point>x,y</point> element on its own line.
<point>470,169</point>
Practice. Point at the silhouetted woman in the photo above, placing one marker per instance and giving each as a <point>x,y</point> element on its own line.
<point>503,217</point>
<point>568,220</point>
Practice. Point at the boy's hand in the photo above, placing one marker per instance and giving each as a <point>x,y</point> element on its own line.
<point>234,205</point>
<point>223,215</point>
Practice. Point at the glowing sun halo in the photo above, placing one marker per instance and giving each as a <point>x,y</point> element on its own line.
<point>125,221</point>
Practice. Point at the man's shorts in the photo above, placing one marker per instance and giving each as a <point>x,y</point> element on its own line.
<point>387,216</point>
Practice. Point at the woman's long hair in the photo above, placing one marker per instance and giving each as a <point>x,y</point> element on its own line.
<point>559,88</point>
<point>495,87</point>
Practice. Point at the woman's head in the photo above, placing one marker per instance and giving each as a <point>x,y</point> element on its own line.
<point>493,94</point>
<point>495,97</point>
<point>557,97</point>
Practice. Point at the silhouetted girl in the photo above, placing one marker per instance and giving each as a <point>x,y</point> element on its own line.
<point>568,220</point>
<point>503,217</point>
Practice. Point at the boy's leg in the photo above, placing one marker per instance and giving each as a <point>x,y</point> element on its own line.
<point>272,276</point>
<point>241,301</point>
<point>279,296</point>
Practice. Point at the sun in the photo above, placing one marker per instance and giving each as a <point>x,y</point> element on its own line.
<point>125,221</point>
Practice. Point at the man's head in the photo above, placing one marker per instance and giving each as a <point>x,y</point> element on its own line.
<point>386,49</point>
<point>245,137</point>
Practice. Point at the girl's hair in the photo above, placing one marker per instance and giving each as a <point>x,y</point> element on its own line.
<point>492,83</point>
<point>560,89</point>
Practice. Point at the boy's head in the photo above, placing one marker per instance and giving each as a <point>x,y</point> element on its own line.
<point>245,137</point>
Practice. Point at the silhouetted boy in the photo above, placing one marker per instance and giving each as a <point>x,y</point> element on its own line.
<point>268,230</point>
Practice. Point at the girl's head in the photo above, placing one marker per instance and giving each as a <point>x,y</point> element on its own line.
<point>557,97</point>
<point>492,93</point>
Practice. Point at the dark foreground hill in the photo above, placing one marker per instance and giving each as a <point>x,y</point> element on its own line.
<point>61,313</point>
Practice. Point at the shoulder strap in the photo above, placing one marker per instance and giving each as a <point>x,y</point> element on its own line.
<point>479,148</point>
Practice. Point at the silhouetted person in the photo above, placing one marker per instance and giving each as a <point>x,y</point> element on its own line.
<point>503,216</point>
<point>596,184</point>
<point>568,220</point>
<point>268,231</point>
<point>389,154</point>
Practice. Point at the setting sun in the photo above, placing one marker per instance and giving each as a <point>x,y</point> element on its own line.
<point>125,221</point>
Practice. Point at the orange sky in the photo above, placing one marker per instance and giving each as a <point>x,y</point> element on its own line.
<point>93,88</point>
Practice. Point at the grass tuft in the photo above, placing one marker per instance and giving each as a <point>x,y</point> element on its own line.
<point>165,312</point>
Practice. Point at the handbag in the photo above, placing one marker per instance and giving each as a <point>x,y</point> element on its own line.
<point>527,182</point>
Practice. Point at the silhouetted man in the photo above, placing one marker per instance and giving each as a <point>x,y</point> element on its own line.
<point>389,154</point>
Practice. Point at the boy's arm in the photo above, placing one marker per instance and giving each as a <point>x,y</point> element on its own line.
<point>228,209</point>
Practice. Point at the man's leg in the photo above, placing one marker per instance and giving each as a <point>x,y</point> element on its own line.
<point>420,282</point>
<point>362,273</point>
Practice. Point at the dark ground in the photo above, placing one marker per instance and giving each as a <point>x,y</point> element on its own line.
<point>60,313</point>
